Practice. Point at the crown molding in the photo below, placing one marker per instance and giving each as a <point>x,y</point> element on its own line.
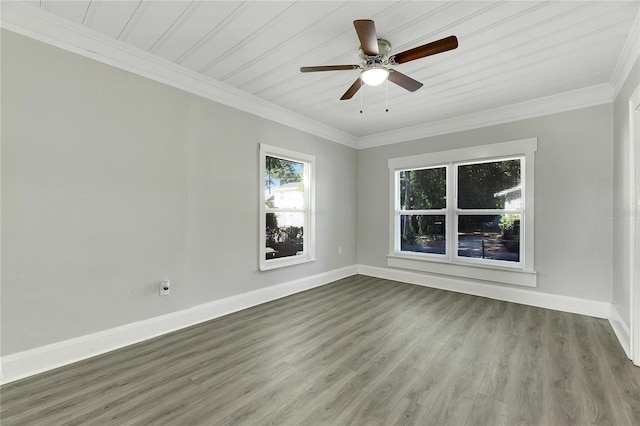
<point>566,101</point>
<point>628,57</point>
<point>40,25</point>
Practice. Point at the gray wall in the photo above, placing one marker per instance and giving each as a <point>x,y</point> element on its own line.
<point>622,204</point>
<point>573,195</point>
<point>112,182</point>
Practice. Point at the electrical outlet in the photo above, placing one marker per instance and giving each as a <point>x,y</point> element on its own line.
<point>340,250</point>
<point>165,287</point>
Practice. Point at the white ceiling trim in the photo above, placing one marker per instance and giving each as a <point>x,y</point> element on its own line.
<point>582,98</point>
<point>630,53</point>
<point>40,25</point>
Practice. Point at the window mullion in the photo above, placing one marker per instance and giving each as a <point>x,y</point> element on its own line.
<point>452,205</point>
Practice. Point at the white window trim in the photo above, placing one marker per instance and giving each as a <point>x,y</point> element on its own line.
<point>309,180</point>
<point>634,224</point>
<point>523,273</point>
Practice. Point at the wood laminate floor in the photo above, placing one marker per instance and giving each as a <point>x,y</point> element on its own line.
<point>360,351</point>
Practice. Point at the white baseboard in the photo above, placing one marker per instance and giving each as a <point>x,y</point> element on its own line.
<point>517,295</point>
<point>621,329</point>
<point>24,364</point>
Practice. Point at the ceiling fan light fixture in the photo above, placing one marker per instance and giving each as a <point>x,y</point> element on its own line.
<point>374,75</point>
<point>375,59</point>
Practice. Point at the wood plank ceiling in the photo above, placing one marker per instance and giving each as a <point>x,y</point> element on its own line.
<point>509,51</point>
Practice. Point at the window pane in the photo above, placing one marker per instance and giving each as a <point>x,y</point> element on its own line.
<point>422,233</point>
<point>424,189</point>
<point>489,237</point>
<point>284,187</point>
<point>284,235</point>
<point>494,185</point>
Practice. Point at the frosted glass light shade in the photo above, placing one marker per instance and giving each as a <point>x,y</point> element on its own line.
<point>374,76</point>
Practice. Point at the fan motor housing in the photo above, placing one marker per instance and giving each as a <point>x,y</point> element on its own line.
<point>384,47</point>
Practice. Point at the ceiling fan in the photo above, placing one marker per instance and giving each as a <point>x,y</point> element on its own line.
<point>376,62</point>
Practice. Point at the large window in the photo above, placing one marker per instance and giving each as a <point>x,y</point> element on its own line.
<point>286,204</point>
<point>454,211</point>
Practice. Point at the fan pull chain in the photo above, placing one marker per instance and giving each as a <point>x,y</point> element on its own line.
<point>361,94</point>
<point>386,95</point>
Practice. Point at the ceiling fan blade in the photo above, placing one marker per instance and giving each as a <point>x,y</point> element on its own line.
<point>329,68</point>
<point>404,81</point>
<point>352,90</point>
<point>366,30</point>
<point>448,43</point>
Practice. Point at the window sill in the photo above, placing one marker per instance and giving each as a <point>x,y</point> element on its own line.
<point>284,262</point>
<point>477,272</point>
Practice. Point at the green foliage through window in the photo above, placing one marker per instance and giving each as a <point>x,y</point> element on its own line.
<point>423,189</point>
<point>480,184</point>
<point>281,171</point>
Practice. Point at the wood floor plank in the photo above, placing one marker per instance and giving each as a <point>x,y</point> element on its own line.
<point>593,380</point>
<point>624,377</point>
<point>487,410</point>
<point>443,357</point>
<point>561,372</point>
<point>450,355</point>
<point>359,351</point>
<point>293,411</point>
<point>504,361</point>
<point>526,396</point>
<point>466,377</point>
<point>380,397</point>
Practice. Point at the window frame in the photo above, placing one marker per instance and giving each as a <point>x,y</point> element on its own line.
<point>518,273</point>
<point>309,162</point>
<point>488,212</point>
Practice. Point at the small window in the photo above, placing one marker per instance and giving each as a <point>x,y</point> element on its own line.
<point>286,192</point>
